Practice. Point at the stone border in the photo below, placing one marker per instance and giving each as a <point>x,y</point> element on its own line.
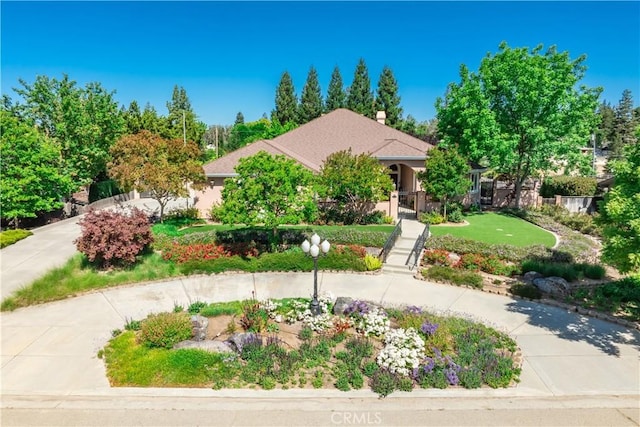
<point>570,307</point>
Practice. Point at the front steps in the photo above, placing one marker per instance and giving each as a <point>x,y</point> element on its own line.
<point>397,258</point>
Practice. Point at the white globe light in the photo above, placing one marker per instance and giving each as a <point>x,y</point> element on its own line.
<point>315,239</point>
<point>325,247</point>
<point>314,251</point>
<point>305,246</point>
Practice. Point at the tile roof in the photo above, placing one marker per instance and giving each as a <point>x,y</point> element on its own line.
<point>341,129</point>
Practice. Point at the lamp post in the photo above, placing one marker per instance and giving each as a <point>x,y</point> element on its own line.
<point>314,248</point>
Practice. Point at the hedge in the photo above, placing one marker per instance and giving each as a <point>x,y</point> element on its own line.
<point>568,186</point>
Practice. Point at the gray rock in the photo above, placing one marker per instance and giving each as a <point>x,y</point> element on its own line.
<point>199,327</point>
<point>552,285</point>
<point>207,345</point>
<point>530,276</point>
<point>237,341</point>
<point>341,304</point>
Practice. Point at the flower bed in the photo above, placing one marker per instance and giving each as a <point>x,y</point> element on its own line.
<point>390,349</point>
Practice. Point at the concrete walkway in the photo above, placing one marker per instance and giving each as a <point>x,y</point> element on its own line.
<point>576,370</point>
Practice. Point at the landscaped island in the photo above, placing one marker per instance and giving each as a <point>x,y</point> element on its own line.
<point>280,344</point>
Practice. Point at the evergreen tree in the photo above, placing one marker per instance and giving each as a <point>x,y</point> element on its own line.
<point>360,97</point>
<point>605,131</point>
<point>387,98</point>
<point>624,125</point>
<point>286,102</point>
<point>239,118</point>
<point>133,118</point>
<point>336,97</point>
<point>182,121</point>
<point>311,98</point>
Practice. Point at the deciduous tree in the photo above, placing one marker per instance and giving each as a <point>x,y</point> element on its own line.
<point>286,101</point>
<point>360,97</point>
<point>311,98</point>
<point>32,179</point>
<point>620,213</point>
<point>85,122</point>
<point>270,191</point>
<point>388,99</point>
<point>522,113</point>
<point>163,167</point>
<point>355,182</point>
<point>446,175</point>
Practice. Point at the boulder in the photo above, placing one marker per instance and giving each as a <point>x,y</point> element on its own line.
<point>341,305</point>
<point>530,276</point>
<point>207,345</point>
<point>552,285</point>
<point>199,327</point>
<point>238,341</point>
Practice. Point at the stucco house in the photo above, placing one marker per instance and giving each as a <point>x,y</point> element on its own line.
<point>341,129</point>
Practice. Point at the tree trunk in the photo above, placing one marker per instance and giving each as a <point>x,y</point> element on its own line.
<point>518,192</point>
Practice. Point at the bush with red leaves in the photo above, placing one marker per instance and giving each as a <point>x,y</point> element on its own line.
<point>113,238</point>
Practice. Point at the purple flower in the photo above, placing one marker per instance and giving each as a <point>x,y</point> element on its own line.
<point>452,376</point>
<point>429,328</point>
<point>357,307</point>
<point>413,309</point>
<point>428,364</point>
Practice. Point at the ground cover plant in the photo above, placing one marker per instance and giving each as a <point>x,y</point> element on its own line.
<point>279,344</point>
<point>9,237</point>
<point>620,297</point>
<point>497,228</point>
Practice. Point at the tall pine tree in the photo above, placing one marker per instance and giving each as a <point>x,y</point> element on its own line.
<point>360,97</point>
<point>182,121</point>
<point>336,96</point>
<point>311,98</point>
<point>623,124</point>
<point>387,98</point>
<point>239,118</point>
<point>286,102</point>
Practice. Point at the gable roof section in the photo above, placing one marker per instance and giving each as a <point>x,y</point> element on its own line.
<point>341,129</point>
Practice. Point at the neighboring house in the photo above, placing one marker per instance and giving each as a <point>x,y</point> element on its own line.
<point>341,129</point>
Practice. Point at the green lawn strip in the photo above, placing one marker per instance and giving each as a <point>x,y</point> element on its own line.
<point>497,228</point>
<point>76,277</point>
<point>9,237</point>
<point>315,228</point>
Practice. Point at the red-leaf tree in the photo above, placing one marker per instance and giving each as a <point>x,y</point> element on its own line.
<point>163,167</point>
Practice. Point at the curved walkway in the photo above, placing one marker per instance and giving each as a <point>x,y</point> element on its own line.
<point>49,352</point>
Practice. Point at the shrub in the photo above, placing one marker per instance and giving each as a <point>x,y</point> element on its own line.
<point>103,189</point>
<point>9,237</point>
<point>432,218</point>
<point>455,216</point>
<point>181,217</point>
<point>505,252</point>
<point>373,263</point>
<point>164,330</point>
<point>568,272</point>
<point>526,290</point>
<point>437,257</point>
<point>195,307</point>
<point>568,186</point>
<point>196,252</point>
<point>451,275</point>
<point>112,238</point>
<point>470,261</point>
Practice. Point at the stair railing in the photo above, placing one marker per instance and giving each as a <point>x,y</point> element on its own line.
<point>391,240</point>
<point>417,248</point>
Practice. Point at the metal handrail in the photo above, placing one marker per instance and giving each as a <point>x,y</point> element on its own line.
<point>391,240</point>
<point>417,247</point>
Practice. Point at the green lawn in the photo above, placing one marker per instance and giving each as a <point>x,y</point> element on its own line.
<point>497,228</point>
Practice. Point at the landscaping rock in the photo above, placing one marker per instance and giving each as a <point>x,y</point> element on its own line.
<point>199,324</point>
<point>341,305</point>
<point>552,285</point>
<point>207,345</point>
<point>530,276</point>
<point>237,341</point>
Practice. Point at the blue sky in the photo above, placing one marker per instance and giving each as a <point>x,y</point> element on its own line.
<point>229,56</point>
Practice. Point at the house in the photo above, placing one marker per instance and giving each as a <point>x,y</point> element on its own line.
<point>341,129</point>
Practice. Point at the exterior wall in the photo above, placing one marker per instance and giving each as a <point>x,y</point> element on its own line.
<point>204,199</point>
<point>501,198</point>
<point>574,204</point>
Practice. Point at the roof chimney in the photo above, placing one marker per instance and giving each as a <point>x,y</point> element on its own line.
<point>381,117</point>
